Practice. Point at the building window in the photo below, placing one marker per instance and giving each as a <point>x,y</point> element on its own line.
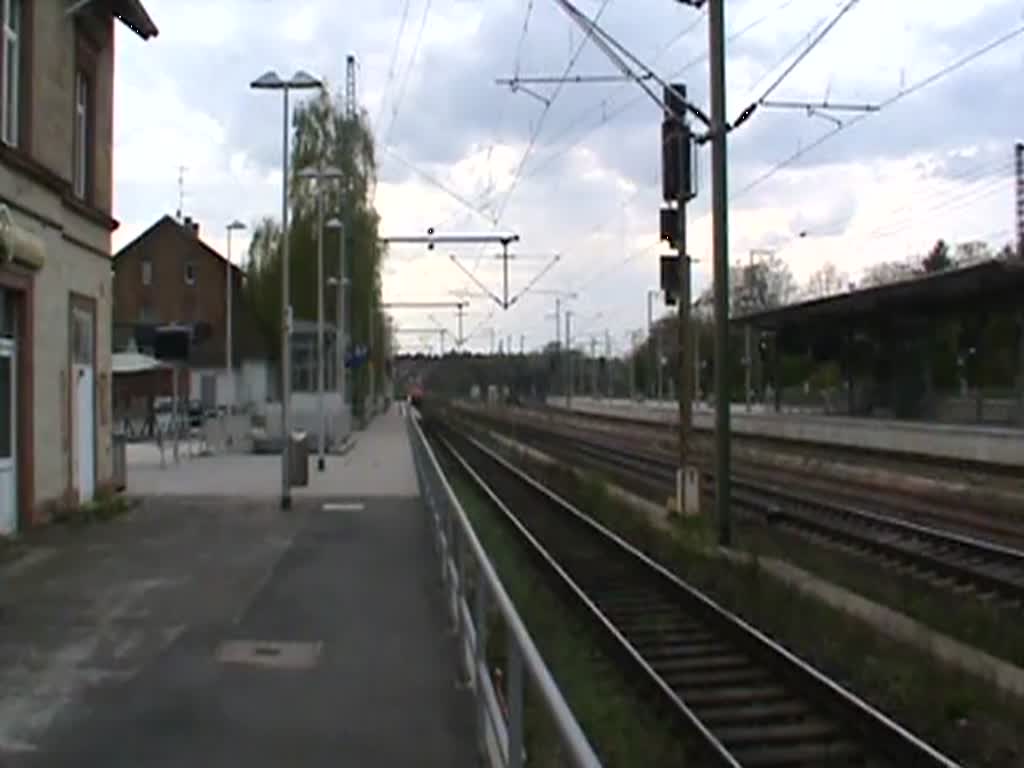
<point>81,172</point>
<point>190,273</point>
<point>11,62</point>
<point>147,272</point>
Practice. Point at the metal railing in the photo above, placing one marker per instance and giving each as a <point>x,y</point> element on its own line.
<point>473,594</point>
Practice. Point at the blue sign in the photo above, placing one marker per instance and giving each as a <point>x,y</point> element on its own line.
<point>356,357</point>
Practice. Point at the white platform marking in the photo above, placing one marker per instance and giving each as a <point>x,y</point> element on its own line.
<point>349,506</point>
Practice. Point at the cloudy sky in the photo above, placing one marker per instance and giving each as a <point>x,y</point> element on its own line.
<point>575,170</point>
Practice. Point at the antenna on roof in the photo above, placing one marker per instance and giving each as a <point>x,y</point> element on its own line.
<point>181,191</point>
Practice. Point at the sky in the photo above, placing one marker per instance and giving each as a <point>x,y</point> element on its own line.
<point>573,170</point>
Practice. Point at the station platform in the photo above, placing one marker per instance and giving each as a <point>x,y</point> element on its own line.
<point>995,445</point>
<point>218,630</point>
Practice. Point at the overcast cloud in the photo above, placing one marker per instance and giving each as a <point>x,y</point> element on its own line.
<point>935,164</point>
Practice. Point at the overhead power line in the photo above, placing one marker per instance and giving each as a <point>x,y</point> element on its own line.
<point>434,181</point>
<point>408,70</point>
<point>807,50</point>
<point>909,91</point>
<point>391,66</point>
<point>517,176</point>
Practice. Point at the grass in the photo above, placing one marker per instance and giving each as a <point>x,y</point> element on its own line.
<point>996,629</point>
<point>106,506</point>
<point>958,713</point>
<point>622,727</point>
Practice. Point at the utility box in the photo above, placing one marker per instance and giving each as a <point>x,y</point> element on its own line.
<point>118,450</point>
<point>298,460</point>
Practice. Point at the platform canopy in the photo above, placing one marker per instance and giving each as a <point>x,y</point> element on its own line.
<point>988,285</point>
<point>124,363</point>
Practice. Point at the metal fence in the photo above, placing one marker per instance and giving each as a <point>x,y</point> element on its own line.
<point>473,594</point>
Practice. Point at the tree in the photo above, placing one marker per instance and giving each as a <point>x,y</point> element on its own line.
<point>886,272</point>
<point>765,284</point>
<point>827,281</point>
<point>324,135</point>
<point>937,259</point>
<point>972,252</point>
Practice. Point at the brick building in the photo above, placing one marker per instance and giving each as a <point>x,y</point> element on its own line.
<point>56,179</point>
<point>169,275</point>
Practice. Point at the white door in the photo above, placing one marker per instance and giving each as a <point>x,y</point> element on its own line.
<point>83,377</point>
<point>8,439</point>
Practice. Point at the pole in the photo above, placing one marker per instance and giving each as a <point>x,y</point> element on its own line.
<point>632,367</point>
<point>228,369</point>
<point>593,367</point>
<point>650,343</point>
<point>175,425</point>
<point>658,359</point>
<point>720,231</point>
<point>504,261</point>
<point>342,334</point>
<point>684,390</point>
<point>608,362</point>
<point>558,342</point>
<point>320,324</point>
<point>462,339</point>
<point>522,343</point>
<point>748,361</point>
<point>371,384</point>
<point>568,365</point>
<point>286,325</point>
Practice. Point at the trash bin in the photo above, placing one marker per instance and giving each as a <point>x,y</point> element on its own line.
<point>298,459</point>
<point>119,461</point>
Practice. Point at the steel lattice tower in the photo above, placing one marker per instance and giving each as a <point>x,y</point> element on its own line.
<point>350,86</point>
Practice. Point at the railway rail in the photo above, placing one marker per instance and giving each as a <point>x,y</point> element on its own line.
<point>969,470</point>
<point>941,557</point>
<point>747,701</point>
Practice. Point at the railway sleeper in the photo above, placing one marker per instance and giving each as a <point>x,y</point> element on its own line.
<point>813,730</point>
<point>666,659</point>
<point>686,679</point>
<point>678,646</point>
<point>834,753</point>
<point>753,714</point>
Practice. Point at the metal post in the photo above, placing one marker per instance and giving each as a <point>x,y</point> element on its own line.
<point>608,363</point>
<point>696,360</point>
<point>748,360</point>
<point>228,368</point>
<point>175,426</point>
<point>658,359</point>
<point>720,237</point>
<point>684,390</point>
<point>593,367</point>
<point>480,656</point>
<point>342,333</point>
<point>461,309</point>
<point>286,329</point>
<point>568,363</point>
<point>371,384</point>
<point>1020,368</point>
<point>514,692</point>
<point>650,343</point>
<point>320,325</point>
<point>632,367</point>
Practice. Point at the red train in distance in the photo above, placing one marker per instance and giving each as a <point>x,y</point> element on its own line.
<point>415,393</point>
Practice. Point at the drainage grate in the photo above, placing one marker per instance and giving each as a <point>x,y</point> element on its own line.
<point>270,654</point>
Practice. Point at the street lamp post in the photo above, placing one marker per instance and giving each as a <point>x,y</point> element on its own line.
<point>654,384</point>
<point>341,336</point>
<point>271,81</point>
<point>229,368</point>
<point>320,175</point>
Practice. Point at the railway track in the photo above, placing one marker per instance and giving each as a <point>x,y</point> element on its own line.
<point>747,701</point>
<point>977,472</point>
<point>943,558</point>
